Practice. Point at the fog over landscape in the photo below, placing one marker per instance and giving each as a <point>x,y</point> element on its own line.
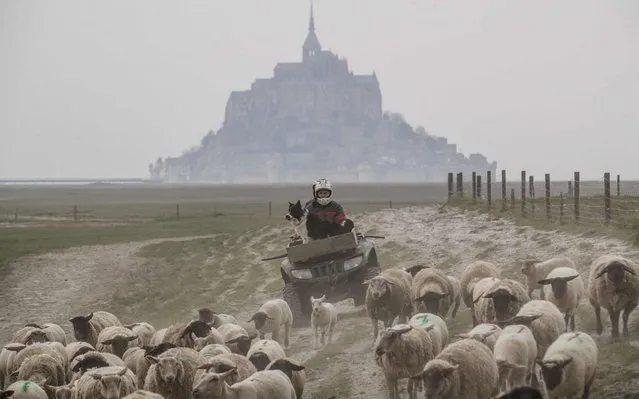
<point>101,88</point>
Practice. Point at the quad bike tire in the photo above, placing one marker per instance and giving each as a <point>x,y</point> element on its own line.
<point>292,298</point>
<point>360,291</point>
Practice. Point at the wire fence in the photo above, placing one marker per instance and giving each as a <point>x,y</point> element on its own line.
<point>608,202</point>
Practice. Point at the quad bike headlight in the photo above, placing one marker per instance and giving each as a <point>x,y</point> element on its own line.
<point>352,263</point>
<point>302,273</point>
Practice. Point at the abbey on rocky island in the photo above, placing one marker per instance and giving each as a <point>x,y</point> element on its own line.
<point>316,118</point>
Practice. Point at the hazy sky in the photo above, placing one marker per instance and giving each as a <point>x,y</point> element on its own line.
<point>101,88</point>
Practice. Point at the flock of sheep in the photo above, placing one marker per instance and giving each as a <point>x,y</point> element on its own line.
<point>515,341</point>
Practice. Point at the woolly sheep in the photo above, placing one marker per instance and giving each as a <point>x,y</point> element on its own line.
<point>53,349</point>
<point>215,319</point>
<point>569,365</point>
<point>230,361</point>
<point>6,362</point>
<point>456,294</point>
<point>508,296</point>
<point>92,360</point>
<point>485,333</point>
<point>438,333</point>
<point>106,383</point>
<point>181,334</point>
<point>142,394</point>
<point>42,369</point>
<point>564,287</point>
<point>214,337</point>
<point>60,391</point>
<point>29,334</point>
<point>270,318</point>
<point>75,349</point>
<point>213,350</point>
<point>483,309</point>
<point>613,284</point>
<point>388,296</point>
<point>399,273</point>
<point>263,352</point>
<point>432,292</point>
<point>266,384</point>
<point>535,271</point>
<point>88,328</point>
<point>544,320</point>
<point>402,352</point>
<point>173,372</point>
<point>24,390</point>
<point>158,337</point>
<point>293,370</point>
<point>144,331</point>
<point>54,332</point>
<point>135,359</point>
<point>236,338</point>
<point>515,353</point>
<point>464,369</point>
<point>323,319</point>
<point>116,340</point>
<point>472,273</point>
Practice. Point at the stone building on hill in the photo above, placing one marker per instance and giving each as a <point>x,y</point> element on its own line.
<point>315,118</point>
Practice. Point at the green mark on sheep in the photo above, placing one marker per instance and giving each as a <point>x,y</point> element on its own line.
<point>423,320</point>
<point>25,386</point>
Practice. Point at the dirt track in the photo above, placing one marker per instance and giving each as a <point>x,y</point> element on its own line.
<point>54,286</point>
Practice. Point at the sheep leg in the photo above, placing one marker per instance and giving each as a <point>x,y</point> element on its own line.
<point>275,335</point>
<point>391,384</point>
<point>412,394</point>
<point>586,394</point>
<point>572,322</point>
<point>375,329</point>
<point>626,314</point>
<point>323,336</point>
<point>597,308</point>
<point>542,296</point>
<point>614,320</point>
<point>330,333</point>
<point>287,334</point>
<point>455,309</point>
<point>567,320</point>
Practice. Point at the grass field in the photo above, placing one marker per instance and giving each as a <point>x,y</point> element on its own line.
<point>129,253</point>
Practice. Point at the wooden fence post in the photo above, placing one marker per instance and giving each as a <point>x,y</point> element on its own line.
<point>618,185</point>
<point>607,206</point>
<point>570,192</point>
<point>75,213</point>
<point>503,190</point>
<point>177,211</point>
<point>561,208</point>
<point>489,188</point>
<point>523,193</point>
<point>531,193</point>
<point>512,198</point>
<point>270,209</point>
<point>547,178</point>
<point>576,194</point>
<point>461,184</point>
<point>451,179</point>
<point>478,186</point>
<point>390,204</point>
<point>474,186</point>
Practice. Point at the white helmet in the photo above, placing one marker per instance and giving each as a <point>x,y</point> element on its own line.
<point>323,184</point>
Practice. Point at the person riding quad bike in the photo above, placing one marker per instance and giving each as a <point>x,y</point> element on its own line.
<point>326,217</point>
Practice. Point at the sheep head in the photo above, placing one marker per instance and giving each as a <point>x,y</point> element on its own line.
<point>503,299</point>
<point>243,343</point>
<point>81,327</point>
<point>525,320</point>
<point>378,287</point>
<point>438,377</point>
<point>120,343</point>
<point>211,385</point>
<point>89,361</point>
<point>285,365</point>
<point>528,267</point>
<point>559,285</point>
<point>35,336</point>
<point>431,301</point>
<point>110,384</point>
<point>413,270</point>
<point>206,315</point>
<point>61,392</point>
<point>259,319</point>
<point>168,369</point>
<point>389,337</point>
<point>616,272</point>
<point>316,303</point>
<point>158,349</point>
<point>553,370</point>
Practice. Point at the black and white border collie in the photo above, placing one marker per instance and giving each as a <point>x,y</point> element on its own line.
<point>297,216</point>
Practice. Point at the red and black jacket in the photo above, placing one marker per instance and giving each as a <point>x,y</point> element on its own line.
<point>333,212</point>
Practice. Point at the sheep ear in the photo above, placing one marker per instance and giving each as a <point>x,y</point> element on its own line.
<point>429,327</point>
<point>6,394</point>
<point>15,347</point>
<point>564,362</point>
<point>225,374</point>
<point>462,336</point>
<point>545,281</point>
<point>252,318</point>
<point>89,317</point>
<point>602,272</point>
<point>570,278</point>
<point>323,298</point>
<point>629,270</point>
<point>122,371</point>
<point>366,282</point>
<point>108,342</point>
<point>312,298</point>
<point>132,338</point>
<point>152,359</point>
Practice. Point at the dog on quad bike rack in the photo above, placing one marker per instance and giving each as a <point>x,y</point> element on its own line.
<point>306,227</point>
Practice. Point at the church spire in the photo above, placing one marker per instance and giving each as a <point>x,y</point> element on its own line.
<point>311,44</point>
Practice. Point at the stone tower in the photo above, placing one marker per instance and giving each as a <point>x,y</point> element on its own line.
<point>311,45</point>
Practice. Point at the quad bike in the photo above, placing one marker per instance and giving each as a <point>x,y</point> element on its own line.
<point>335,266</point>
